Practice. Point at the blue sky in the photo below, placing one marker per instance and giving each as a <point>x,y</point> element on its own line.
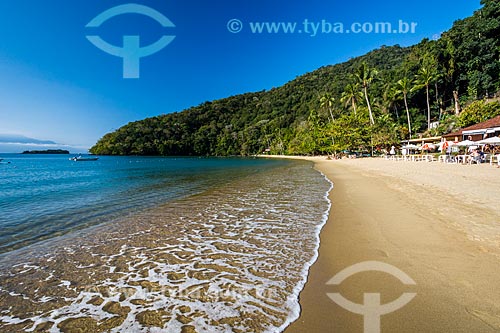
<point>55,85</point>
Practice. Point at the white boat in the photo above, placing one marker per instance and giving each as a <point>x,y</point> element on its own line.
<point>83,159</point>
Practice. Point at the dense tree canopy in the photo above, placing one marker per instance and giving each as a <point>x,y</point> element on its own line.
<point>377,99</point>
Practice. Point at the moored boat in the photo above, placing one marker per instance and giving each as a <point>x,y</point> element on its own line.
<point>83,159</point>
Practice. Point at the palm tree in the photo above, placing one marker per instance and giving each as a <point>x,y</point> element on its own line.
<point>450,72</point>
<point>392,99</point>
<point>327,101</point>
<point>389,98</point>
<point>426,75</point>
<point>365,76</point>
<point>404,87</point>
<point>351,95</point>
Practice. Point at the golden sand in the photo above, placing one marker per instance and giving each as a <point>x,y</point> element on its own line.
<point>438,223</point>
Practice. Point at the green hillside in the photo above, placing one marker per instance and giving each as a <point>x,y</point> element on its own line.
<point>352,105</point>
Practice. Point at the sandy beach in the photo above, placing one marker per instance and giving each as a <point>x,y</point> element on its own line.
<point>438,223</point>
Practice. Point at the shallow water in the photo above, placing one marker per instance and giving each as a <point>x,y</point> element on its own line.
<point>229,259</point>
<point>43,196</point>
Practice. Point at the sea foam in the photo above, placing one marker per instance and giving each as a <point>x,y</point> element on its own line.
<point>234,258</point>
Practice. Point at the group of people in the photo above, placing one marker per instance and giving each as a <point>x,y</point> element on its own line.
<point>477,156</point>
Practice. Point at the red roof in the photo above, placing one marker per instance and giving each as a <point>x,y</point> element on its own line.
<point>491,123</point>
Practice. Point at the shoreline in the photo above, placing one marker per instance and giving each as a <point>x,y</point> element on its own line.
<point>295,296</point>
<point>378,210</point>
<point>394,213</point>
<point>208,256</point>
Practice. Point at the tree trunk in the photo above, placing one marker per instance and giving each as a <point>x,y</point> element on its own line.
<point>439,102</point>
<point>428,109</point>
<point>407,115</point>
<point>372,121</point>
<point>458,108</point>
<point>354,106</point>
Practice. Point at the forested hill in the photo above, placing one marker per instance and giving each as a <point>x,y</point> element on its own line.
<point>345,106</point>
<point>242,124</point>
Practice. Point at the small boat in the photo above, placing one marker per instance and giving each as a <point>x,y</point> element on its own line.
<point>83,159</point>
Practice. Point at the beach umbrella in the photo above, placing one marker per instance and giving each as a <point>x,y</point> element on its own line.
<point>445,144</point>
<point>409,147</point>
<point>428,146</point>
<point>495,141</point>
<point>466,143</point>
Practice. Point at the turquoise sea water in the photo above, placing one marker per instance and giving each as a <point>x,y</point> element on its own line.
<point>43,196</point>
<point>200,244</point>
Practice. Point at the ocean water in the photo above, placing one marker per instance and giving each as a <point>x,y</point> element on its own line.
<point>134,244</point>
<point>42,196</point>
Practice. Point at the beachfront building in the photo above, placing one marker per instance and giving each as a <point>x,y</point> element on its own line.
<point>477,132</point>
<point>422,140</point>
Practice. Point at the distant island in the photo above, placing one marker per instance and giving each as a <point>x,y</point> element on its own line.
<point>49,151</point>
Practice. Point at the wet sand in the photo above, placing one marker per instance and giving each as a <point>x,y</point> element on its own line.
<point>437,223</point>
<point>232,258</point>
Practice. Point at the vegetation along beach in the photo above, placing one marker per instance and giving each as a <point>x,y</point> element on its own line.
<point>187,185</point>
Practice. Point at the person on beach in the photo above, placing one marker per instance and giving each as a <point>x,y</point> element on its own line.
<point>393,151</point>
<point>475,156</point>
